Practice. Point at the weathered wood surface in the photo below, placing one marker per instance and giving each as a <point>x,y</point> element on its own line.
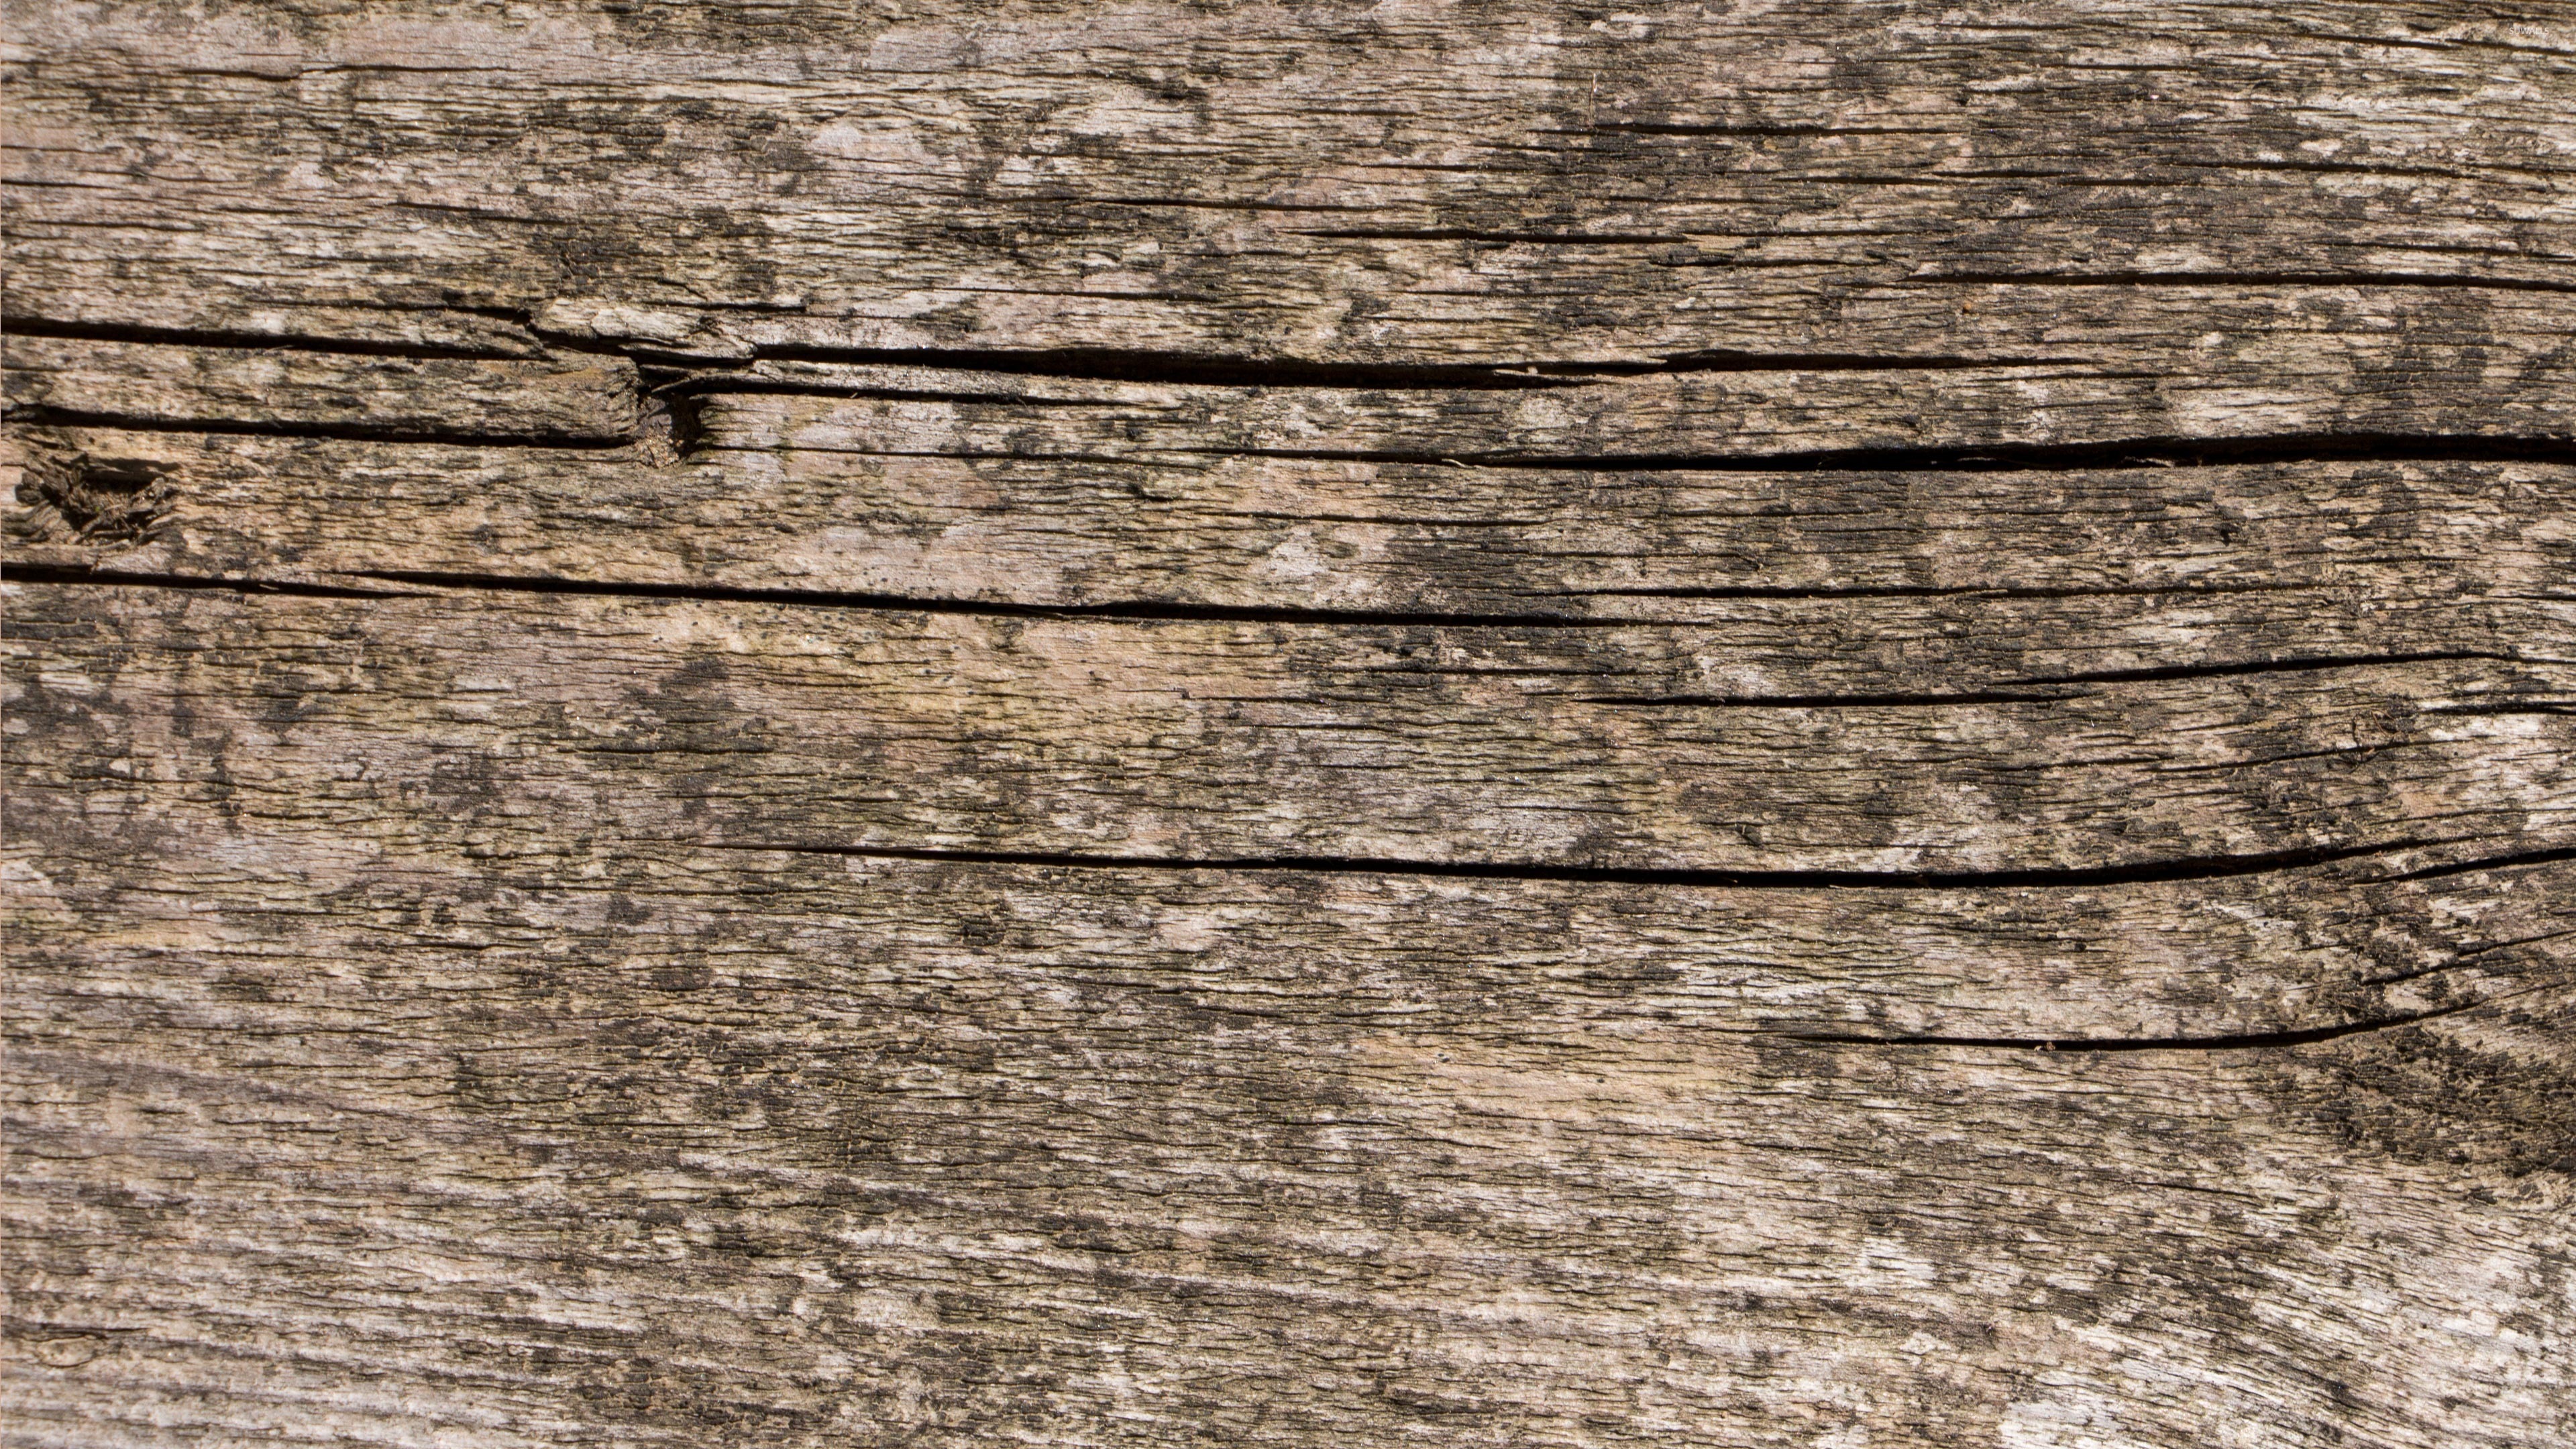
<point>805,1145</point>
<point>1646,747</point>
<point>1786,724</point>
<point>810,1149</point>
<point>569,400</point>
<point>1398,182</point>
<point>2331,545</point>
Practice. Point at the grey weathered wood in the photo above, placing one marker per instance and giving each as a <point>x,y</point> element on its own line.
<point>2338,388</point>
<point>1052,491</point>
<point>1998,575</point>
<point>1138,1156</point>
<point>1361,725</point>
<point>555,399</point>
<point>1648,746</point>
<point>1099,1226</point>
<point>1396,183</point>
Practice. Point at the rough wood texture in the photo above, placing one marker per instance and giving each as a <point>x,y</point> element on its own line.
<point>1416,181</point>
<point>1785,724</point>
<point>1644,747</point>
<point>816,1150</point>
<point>569,400</point>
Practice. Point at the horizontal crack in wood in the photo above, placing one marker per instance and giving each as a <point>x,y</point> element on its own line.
<point>361,433</point>
<point>1823,701</point>
<point>2173,452</point>
<point>2199,868</point>
<point>2251,1041</point>
<point>2247,279</point>
<point>248,341</point>
<point>1154,611</point>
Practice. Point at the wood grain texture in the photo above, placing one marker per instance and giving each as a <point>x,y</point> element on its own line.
<point>2006,574</point>
<point>515,717</point>
<point>1424,182</point>
<point>566,400</point>
<point>1123,1156</point>
<point>1841,725</point>
<point>1079,1224</point>
<point>957,487</point>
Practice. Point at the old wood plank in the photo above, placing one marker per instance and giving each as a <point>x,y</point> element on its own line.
<point>1079,1237</point>
<point>1418,182</point>
<point>1787,724</point>
<point>209,888</point>
<point>1726,416</point>
<point>522,721</point>
<point>1583,541</point>
<point>877,1149</point>
<point>318,1127</point>
<point>1976,576</point>
<point>1123,491</point>
<point>570,399</point>
<point>2402,396</point>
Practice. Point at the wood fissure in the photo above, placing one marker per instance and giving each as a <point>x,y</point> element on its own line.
<point>1143,612</point>
<point>2214,868</point>
<point>1071,736</point>
<point>2254,1041</point>
<point>74,330</point>
<point>797,598</point>
<point>2247,279</point>
<point>2216,452</point>
<point>345,432</point>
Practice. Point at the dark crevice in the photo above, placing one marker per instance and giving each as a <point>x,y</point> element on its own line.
<point>1738,261</point>
<point>1724,360</point>
<point>1932,591</point>
<point>2171,452</point>
<point>894,603</point>
<point>1500,238</point>
<point>1211,370</point>
<point>1536,376</point>
<point>2493,862</point>
<point>1142,609</point>
<point>678,416</point>
<point>722,384</point>
<point>258,341</point>
<point>2014,459</point>
<point>2533,707</point>
<point>1721,128</point>
<point>2186,869</point>
<point>1821,701</point>
<point>345,432</point>
<point>1101,364</point>
<point>2263,666</point>
<point>18,573</point>
<point>2440,280</point>
<point>680,396</point>
<point>1060,200</point>
<point>498,312</point>
<point>2249,1041</point>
